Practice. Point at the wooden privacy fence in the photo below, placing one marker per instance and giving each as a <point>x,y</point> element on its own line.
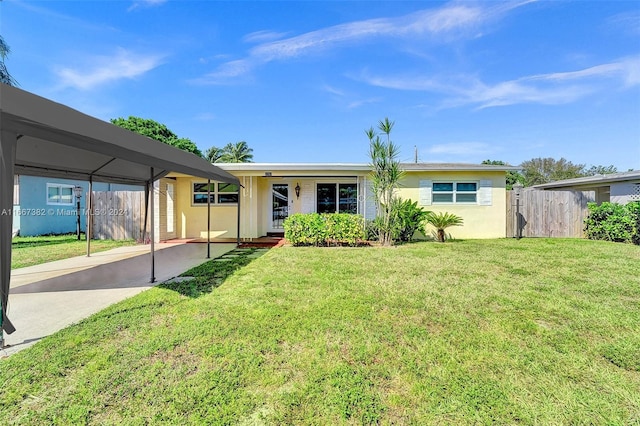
<point>118,215</point>
<point>548,213</point>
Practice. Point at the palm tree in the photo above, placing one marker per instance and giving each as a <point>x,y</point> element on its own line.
<point>5,77</point>
<point>213,154</point>
<point>238,152</point>
<point>442,221</point>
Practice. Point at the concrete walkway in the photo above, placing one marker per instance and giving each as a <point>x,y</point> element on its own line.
<point>48,297</point>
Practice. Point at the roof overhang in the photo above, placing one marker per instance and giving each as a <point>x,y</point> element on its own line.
<point>357,167</point>
<point>57,141</point>
<point>591,182</point>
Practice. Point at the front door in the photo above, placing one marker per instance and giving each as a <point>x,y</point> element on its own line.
<point>279,206</point>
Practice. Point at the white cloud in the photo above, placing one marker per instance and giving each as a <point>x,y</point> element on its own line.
<point>105,69</point>
<point>360,102</point>
<point>262,36</point>
<point>551,88</point>
<point>445,21</point>
<point>144,4</point>
<point>333,90</point>
<point>628,22</point>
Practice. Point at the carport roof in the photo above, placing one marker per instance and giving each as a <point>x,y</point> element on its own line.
<point>57,141</point>
<point>44,138</point>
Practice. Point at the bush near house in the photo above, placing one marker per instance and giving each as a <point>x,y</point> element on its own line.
<point>614,222</point>
<point>313,229</point>
<point>405,219</point>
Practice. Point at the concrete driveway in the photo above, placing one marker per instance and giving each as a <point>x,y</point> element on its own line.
<point>46,298</point>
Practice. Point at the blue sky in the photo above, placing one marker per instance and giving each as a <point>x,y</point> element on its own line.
<point>301,81</point>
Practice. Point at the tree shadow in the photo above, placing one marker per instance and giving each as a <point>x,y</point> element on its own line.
<point>213,273</point>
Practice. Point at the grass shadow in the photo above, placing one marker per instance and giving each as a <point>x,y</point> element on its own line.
<point>45,240</point>
<point>211,274</point>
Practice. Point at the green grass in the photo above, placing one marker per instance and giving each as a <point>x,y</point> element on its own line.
<point>535,331</point>
<point>29,251</point>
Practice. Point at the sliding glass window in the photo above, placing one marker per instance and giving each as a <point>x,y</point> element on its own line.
<point>337,198</point>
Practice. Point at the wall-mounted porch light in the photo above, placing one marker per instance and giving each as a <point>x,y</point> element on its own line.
<point>297,189</point>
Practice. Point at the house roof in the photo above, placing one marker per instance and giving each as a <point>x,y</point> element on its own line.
<point>57,141</point>
<point>592,181</point>
<point>358,167</point>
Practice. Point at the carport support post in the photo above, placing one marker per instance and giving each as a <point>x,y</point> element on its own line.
<point>89,207</point>
<point>8,142</point>
<point>152,226</point>
<point>208,218</point>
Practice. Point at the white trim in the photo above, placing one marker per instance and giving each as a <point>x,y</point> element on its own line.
<point>214,193</point>
<point>270,212</point>
<point>454,192</point>
<point>358,167</point>
<point>60,186</point>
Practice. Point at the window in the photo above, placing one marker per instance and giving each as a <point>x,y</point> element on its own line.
<point>59,194</point>
<point>337,198</point>
<point>221,193</point>
<point>455,192</point>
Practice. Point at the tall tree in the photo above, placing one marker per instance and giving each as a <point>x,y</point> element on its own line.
<point>542,170</point>
<point>512,175</point>
<point>600,170</point>
<point>5,77</point>
<point>154,130</point>
<point>238,152</point>
<point>213,154</point>
<point>385,176</point>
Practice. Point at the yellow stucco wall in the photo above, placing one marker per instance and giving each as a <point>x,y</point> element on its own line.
<point>192,220</point>
<point>479,221</point>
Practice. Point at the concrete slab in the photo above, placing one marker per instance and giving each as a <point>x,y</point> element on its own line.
<point>46,298</point>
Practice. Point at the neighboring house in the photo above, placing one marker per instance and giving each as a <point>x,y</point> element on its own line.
<point>270,192</point>
<point>618,188</point>
<point>48,205</point>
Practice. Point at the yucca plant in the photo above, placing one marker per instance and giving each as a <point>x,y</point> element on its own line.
<point>385,177</point>
<point>442,221</point>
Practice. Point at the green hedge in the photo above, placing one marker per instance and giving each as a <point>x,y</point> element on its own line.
<point>614,222</point>
<point>313,229</point>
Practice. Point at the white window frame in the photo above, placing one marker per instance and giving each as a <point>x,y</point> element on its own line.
<point>454,192</point>
<point>215,192</point>
<point>59,186</point>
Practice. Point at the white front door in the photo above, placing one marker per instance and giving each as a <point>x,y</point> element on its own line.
<point>280,203</point>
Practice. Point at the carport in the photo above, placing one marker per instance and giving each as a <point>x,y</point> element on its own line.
<point>43,138</point>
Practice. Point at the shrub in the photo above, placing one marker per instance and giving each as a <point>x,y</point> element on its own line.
<point>313,229</point>
<point>408,218</point>
<point>442,221</point>
<point>305,229</point>
<point>614,222</point>
<point>344,228</point>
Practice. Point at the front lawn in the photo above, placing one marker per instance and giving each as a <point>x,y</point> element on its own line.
<point>535,331</point>
<point>29,251</point>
